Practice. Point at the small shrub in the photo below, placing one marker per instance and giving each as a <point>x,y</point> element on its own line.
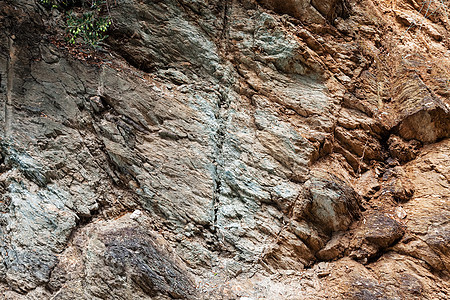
<point>90,27</point>
<point>88,24</point>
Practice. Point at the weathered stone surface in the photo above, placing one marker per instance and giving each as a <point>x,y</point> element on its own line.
<point>300,9</point>
<point>334,248</point>
<point>382,230</point>
<point>428,210</point>
<point>220,150</point>
<point>376,232</point>
<point>422,116</point>
<point>402,150</point>
<point>120,259</point>
<point>309,11</point>
<point>333,205</point>
<point>397,184</point>
<point>363,145</point>
<point>331,9</point>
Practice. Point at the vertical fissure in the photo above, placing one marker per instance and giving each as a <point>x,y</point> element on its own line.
<point>224,34</point>
<point>220,134</point>
<point>218,157</point>
<point>9,87</point>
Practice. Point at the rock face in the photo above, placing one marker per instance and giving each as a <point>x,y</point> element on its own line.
<point>226,150</point>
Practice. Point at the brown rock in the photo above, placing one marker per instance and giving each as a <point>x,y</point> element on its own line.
<point>421,114</point>
<point>359,142</point>
<point>401,150</point>
<point>331,9</point>
<point>368,184</point>
<point>334,248</point>
<point>300,9</point>
<point>397,184</point>
<point>376,232</point>
<point>382,230</point>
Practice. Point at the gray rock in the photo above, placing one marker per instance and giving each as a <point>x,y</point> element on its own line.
<point>35,229</point>
<point>333,205</point>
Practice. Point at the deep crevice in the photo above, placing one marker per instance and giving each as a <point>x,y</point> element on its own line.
<point>220,137</point>
<point>224,35</point>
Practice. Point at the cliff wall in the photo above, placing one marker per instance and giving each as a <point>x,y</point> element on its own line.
<point>233,149</point>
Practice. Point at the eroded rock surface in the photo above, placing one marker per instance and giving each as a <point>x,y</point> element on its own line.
<point>227,150</point>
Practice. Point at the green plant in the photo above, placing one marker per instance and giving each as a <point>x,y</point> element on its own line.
<point>87,21</point>
<point>90,27</point>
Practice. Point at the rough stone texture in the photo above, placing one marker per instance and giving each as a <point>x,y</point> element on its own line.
<point>377,232</point>
<point>422,116</point>
<point>300,9</point>
<point>309,11</point>
<point>220,150</point>
<point>401,150</point>
<point>121,259</point>
<point>333,204</point>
